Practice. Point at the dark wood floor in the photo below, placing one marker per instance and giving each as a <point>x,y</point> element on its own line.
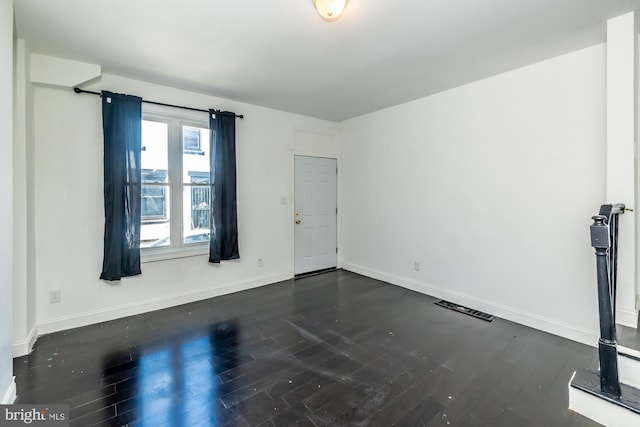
<point>333,349</point>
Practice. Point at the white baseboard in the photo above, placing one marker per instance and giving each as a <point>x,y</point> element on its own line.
<point>23,347</point>
<point>131,309</point>
<point>10,395</point>
<point>535,321</point>
<point>627,318</point>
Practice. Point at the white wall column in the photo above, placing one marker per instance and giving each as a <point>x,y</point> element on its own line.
<point>24,315</point>
<point>620,85</point>
<point>7,384</point>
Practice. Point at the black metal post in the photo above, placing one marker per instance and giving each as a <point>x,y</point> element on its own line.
<point>607,348</point>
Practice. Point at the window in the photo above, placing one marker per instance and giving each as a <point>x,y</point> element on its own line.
<point>176,196</point>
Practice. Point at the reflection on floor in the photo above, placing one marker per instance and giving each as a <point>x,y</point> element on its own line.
<point>333,349</point>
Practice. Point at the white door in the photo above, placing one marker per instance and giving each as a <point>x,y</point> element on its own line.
<point>315,214</point>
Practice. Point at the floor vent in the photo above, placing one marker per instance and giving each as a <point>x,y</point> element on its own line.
<point>466,310</point>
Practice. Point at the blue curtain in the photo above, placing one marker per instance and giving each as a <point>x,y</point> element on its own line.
<point>121,124</point>
<point>224,212</point>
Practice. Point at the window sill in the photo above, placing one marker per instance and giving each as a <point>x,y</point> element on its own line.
<point>163,254</point>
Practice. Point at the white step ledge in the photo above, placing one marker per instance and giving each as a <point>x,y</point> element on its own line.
<point>586,399</point>
<point>629,369</point>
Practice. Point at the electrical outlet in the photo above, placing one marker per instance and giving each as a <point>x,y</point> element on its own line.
<point>55,296</point>
<point>416,266</point>
<point>260,262</point>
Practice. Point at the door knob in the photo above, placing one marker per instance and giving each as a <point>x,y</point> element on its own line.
<point>298,221</point>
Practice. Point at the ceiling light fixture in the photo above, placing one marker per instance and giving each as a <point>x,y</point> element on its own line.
<point>330,10</point>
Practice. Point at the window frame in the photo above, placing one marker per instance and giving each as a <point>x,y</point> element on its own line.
<point>175,146</point>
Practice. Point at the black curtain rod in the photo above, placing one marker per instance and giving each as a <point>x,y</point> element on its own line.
<point>78,90</point>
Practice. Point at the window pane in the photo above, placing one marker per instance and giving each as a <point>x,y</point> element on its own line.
<point>195,155</point>
<point>155,153</point>
<point>154,202</point>
<point>191,139</point>
<point>155,230</point>
<point>196,200</point>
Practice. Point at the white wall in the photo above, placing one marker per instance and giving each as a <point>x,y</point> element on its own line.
<point>7,388</point>
<point>69,216</point>
<point>490,186</point>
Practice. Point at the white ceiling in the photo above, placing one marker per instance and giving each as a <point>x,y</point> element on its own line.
<point>280,54</point>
